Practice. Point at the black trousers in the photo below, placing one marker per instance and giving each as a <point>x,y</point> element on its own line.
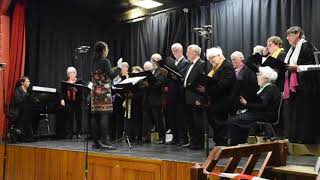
<point>177,121</point>
<point>73,117</point>
<point>194,121</point>
<point>153,114</point>
<point>218,122</point>
<point>100,126</point>
<point>24,120</point>
<point>240,125</point>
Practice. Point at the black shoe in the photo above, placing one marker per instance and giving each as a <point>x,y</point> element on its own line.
<point>146,139</point>
<point>221,143</point>
<point>195,147</point>
<point>106,146</point>
<point>186,145</point>
<point>95,146</point>
<point>69,136</point>
<point>29,140</point>
<point>161,141</point>
<point>99,145</point>
<point>182,142</point>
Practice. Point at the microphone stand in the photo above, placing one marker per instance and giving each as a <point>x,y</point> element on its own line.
<point>205,32</point>
<point>82,50</point>
<point>5,138</point>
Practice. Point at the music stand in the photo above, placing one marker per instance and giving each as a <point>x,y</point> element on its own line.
<point>124,87</point>
<point>82,92</point>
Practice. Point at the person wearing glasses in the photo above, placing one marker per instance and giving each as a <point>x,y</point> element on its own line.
<point>264,110</point>
<point>301,91</point>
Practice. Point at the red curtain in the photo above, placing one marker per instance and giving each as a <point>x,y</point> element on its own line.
<point>17,50</point>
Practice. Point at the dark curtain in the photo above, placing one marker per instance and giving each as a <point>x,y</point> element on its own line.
<point>237,25</point>
<point>54,31</point>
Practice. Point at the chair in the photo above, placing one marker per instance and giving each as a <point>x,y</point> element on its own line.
<point>269,126</point>
<point>276,156</point>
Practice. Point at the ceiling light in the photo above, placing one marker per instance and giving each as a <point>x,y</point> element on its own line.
<point>148,4</point>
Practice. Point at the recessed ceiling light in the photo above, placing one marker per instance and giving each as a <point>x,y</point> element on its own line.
<point>148,4</point>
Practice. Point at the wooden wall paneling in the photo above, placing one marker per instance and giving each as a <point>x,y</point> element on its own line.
<point>59,164</point>
<point>75,165</point>
<point>107,167</point>
<point>101,168</point>
<point>183,170</point>
<point>21,163</point>
<point>141,170</point>
<point>169,170</point>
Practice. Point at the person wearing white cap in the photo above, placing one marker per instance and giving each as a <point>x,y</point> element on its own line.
<point>264,110</point>
<point>70,101</point>
<point>220,93</point>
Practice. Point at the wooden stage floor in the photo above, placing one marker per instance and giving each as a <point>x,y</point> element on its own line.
<point>65,159</point>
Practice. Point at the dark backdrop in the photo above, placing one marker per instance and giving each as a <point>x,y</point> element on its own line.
<point>54,30</point>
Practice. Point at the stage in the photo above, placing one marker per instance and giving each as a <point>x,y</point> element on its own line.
<point>65,159</point>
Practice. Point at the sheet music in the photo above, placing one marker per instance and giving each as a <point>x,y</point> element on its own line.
<point>133,80</point>
<point>44,89</point>
<point>90,85</point>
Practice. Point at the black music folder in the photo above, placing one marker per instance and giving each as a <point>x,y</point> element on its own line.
<point>78,86</point>
<point>149,76</point>
<point>202,80</point>
<point>274,63</point>
<point>164,64</point>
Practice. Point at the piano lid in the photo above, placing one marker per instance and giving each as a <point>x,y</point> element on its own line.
<point>44,89</point>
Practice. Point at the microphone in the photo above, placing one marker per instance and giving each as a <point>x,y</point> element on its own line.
<point>81,50</point>
<point>84,47</point>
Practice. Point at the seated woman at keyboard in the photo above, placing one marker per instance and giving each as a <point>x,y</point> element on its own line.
<point>20,109</point>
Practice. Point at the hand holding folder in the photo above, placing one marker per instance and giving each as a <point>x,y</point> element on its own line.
<point>274,63</point>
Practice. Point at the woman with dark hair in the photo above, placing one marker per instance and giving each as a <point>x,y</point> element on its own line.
<point>101,99</point>
<point>301,91</point>
<point>20,109</point>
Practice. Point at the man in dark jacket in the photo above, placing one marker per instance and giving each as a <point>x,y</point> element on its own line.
<point>175,95</point>
<point>246,84</point>
<point>193,111</point>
